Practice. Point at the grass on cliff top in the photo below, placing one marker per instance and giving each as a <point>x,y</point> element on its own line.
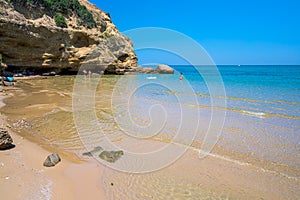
<point>60,20</point>
<point>63,7</point>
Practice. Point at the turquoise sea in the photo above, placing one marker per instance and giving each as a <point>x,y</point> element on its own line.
<point>262,105</point>
<point>269,90</point>
<point>257,111</point>
<point>250,114</point>
<point>246,119</point>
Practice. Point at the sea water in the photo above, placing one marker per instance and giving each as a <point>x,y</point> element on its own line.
<point>262,105</point>
<point>258,105</point>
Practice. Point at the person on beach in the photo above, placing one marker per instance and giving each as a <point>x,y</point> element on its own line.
<point>9,79</point>
<point>2,73</point>
<point>180,76</point>
<point>85,73</point>
<point>2,80</point>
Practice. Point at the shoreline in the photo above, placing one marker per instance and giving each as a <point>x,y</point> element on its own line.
<point>211,176</point>
<point>23,175</point>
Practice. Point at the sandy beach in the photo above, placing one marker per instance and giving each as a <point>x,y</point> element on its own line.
<point>127,100</point>
<point>23,176</point>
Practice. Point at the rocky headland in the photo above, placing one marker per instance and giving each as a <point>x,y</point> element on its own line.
<point>62,36</point>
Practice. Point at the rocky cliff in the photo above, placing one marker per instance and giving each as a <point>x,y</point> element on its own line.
<point>37,38</point>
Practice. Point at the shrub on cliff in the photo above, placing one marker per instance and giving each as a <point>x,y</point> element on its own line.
<point>64,7</point>
<point>60,20</point>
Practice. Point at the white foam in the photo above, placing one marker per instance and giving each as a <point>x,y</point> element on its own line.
<point>221,157</point>
<point>152,77</point>
<point>46,190</point>
<point>205,153</point>
<point>255,114</point>
<point>244,163</point>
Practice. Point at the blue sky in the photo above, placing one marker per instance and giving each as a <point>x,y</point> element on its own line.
<point>231,31</point>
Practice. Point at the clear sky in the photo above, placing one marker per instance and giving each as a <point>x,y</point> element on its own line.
<point>231,31</point>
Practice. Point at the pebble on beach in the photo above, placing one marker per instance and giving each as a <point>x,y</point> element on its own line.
<point>52,160</point>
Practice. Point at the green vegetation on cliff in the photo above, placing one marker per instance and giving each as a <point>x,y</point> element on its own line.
<point>62,8</point>
<point>60,20</point>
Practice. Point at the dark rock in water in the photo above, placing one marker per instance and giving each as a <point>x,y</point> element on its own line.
<point>5,139</point>
<point>87,154</point>
<point>111,156</point>
<point>52,160</point>
<point>90,153</point>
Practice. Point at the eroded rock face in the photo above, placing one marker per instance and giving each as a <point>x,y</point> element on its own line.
<point>35,42</point>
<point>5,139</point>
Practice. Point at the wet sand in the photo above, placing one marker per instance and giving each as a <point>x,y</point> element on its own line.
<point>23,176</point>
<point>77,177</point>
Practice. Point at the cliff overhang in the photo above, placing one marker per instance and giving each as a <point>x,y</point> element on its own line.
<point>35,42</point>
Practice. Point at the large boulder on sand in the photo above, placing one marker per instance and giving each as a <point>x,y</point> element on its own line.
<point>5,139</point>
<point>52,160</point>
<point>164,69</point>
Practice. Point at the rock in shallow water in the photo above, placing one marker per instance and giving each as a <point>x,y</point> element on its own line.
<point>52,160</point>
<point>111,156</point>
<point>5,139</point>
<point>90,153</point>
<point>148,70</point>
<point>164,69</point>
